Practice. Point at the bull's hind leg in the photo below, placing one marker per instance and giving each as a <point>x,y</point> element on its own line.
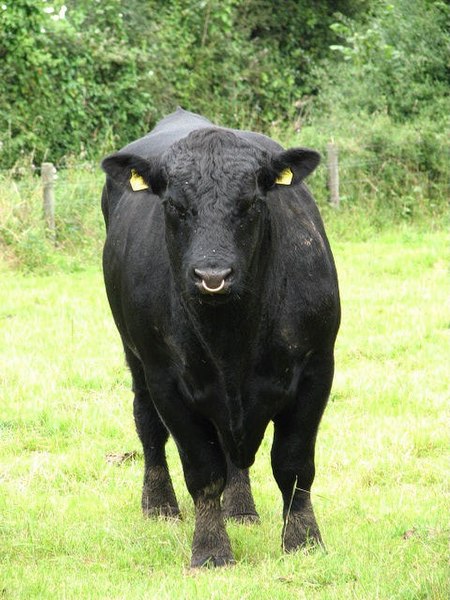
<point>158,496</point>
<point>237,500</point>
<point>293,454</point>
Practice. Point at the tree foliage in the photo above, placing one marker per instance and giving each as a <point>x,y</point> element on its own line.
<point>80,76</point>
<point>397,60</point>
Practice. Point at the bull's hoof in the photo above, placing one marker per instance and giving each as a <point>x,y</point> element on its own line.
<point>202,561</point>
<point>242,518</point>
<point>161,512</point>
<point>301,531</point>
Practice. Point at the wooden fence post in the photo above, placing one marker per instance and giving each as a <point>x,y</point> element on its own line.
<point>48,176</point>
<point>333,173</point>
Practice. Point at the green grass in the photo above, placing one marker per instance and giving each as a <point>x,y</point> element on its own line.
<point>70,521</point>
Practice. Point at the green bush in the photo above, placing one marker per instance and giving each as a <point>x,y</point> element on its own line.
<point>102,73</point>
<point>394,61</point>
<point>66,81</point>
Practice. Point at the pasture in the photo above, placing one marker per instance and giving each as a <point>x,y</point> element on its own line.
<point>71,463</point>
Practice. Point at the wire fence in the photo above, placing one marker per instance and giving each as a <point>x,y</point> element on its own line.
<point>338,170</point>
<point>344,163</point>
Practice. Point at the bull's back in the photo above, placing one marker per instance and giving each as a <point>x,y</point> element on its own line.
<point>168,131</point>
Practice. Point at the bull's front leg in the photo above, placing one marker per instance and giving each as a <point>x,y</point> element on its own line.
<point>205,472</point>
<point>211,545</point>
<point>293,455</point>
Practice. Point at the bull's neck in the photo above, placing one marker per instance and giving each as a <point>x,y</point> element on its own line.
<point>228,332</point>
<point>230,324</point>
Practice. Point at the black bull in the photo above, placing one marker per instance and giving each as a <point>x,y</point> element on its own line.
<point>224,290</point>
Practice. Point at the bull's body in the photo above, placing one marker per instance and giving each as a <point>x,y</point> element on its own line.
<point>228,310</point>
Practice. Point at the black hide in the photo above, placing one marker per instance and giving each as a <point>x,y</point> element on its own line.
<point>223,287</point>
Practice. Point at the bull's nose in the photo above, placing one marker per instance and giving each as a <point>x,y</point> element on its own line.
<point>213,281</point>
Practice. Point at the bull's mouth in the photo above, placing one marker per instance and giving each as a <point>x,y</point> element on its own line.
<point>215,296</point>
<point>215,290</point>
<point>222,288</point>
<point>221,294</point>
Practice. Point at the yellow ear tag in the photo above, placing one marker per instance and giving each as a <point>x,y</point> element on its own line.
<point>137,182</point>
<point>285,177</point>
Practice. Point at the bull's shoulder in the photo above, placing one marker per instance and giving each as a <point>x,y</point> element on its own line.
<point>296,217</point>
<point>135,261</point>
<point>111,194</point>
<point>302,261</point>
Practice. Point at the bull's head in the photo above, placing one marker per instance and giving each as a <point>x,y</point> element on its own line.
<point>213,186</point>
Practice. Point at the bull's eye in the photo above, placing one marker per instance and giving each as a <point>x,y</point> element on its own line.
<point>248,205</point>
<point>176,207</point>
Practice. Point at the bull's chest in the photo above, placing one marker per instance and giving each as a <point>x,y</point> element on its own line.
<point>260,371</point>
<point>241,395</point>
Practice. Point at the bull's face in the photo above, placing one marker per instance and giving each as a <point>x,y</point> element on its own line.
<point>213,186</point>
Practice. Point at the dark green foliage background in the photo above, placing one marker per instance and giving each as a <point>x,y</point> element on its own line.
<point>106,72</point>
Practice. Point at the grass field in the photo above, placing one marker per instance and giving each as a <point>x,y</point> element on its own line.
<point>70,521</point>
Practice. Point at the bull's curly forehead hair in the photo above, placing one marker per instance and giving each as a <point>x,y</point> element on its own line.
<point>213,151</point>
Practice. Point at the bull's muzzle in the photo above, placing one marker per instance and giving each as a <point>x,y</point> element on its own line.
<point>215,290</point>
<point>213,281</point>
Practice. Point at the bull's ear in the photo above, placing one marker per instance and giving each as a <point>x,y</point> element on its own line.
<point>132,171</point>
<point>292,166</point>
